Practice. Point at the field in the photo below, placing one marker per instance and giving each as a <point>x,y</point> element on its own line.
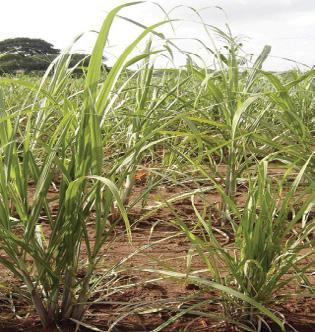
<point>149,199</point>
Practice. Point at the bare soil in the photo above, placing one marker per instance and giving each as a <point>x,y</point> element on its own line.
<point>140,287</point>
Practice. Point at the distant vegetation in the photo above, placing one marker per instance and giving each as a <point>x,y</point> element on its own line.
<point>26,55</point>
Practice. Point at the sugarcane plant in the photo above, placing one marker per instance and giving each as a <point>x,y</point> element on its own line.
<point>61,145</point>
<point>271,235</point>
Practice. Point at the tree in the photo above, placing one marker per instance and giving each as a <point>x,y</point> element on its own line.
<point>11,63</point>
<point>27,47</point>
<point>28,55</point>
<point>25,54</point>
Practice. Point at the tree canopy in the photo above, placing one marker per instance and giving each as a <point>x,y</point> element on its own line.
<point>28,55</point>
<point>27,47</point>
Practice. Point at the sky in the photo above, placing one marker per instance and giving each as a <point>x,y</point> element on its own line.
<point>287,25</point>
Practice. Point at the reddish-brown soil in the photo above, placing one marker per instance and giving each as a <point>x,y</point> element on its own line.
<point>140,301</point>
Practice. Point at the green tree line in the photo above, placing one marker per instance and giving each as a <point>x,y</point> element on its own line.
<point>28,55</point>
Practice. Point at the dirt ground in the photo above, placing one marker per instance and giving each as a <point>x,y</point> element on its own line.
<point>155,241</point>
